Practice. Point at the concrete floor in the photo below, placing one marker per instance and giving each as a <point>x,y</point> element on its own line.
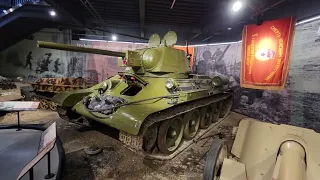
<point>117,162</point>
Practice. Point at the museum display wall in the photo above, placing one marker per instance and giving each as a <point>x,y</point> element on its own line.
<point>298,104</point>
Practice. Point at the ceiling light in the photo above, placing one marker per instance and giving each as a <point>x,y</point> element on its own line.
<point>19,4</point>
<point>114,37</point>
<point>52,13</point>
<point>5,11</point>
<point>237,6</point>
<point>11,9</point>
<point>229,29</point>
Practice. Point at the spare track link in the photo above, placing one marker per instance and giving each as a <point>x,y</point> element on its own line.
<point>134,143</point>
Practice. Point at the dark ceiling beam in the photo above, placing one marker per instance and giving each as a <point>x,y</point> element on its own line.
<point>206,39</point>
<point>177,12</point>
<point>173,16</point>
<point>164,21</point>
<point>59,8</point>
<point>118,11</point>
<point>142,12</point>
<point>88,8</point>
<point>184,1</point>
<point>113,3</point>
<point>178,4</point>
<point>124,9</point>
<point>171,23</point>
<point>205,28</point>
<point>168,19</point>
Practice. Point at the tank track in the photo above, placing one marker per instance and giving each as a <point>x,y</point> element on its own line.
<point>134,143</point>
<point>62,113</point>
<point>46,103</point>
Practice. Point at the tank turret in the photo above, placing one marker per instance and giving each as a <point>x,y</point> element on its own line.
<point>158,58</point>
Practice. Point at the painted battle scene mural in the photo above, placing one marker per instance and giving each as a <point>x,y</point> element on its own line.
<point>28,61</point>
<point>298,104</point>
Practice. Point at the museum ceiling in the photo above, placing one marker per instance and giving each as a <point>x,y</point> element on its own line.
<point>199,21</point>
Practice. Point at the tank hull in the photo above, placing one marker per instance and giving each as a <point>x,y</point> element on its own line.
<point>129,118</point>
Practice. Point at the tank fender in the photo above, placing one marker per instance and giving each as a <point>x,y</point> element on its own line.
<point>70,98</point>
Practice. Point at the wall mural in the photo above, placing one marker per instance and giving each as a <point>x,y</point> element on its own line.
<point>298,104</point>
<point>26,60</point>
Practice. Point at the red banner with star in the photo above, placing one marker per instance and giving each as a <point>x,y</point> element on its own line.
<point>266,52</point>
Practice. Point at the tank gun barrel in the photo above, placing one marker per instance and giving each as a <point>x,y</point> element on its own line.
<point>65,47</point>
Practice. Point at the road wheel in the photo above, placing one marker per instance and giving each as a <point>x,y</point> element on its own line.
<point>150,137</point>
<point>170,135</point>
<point>216,112</point>
<point>52,106</point>
<point>206,114</point>
<point>214,160</point>
<point>226,107</point>
<point>44,104</point>
<point>35,98</point>
<point>191,122</point>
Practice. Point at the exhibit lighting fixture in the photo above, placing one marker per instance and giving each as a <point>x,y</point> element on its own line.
<point>5,11</point>
<point>11,9</point>
<point>114,37</point>
<point>308,20</point>
<point>229,29</point>
<point>237,6</point>
<point>93,40</point>
<point>101,40</point>
<point>52,13</point>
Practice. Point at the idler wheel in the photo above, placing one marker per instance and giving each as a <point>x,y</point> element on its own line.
<point>214,160</point>
<point>226,106</point>
<point>216,112</point>
<point>44,104</point>
<point>150,137</point>
<point>170,135</point>
<point>34,98</point>
<point>191,124</point>
<point>53,106</point>
<point>206,114</point>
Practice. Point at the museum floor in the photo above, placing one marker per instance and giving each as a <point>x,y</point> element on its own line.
<point>117,162</point>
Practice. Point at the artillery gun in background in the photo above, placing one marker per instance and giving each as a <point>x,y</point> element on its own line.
<point>9,91</point>
<point>43,89</point>
<point>265,151</point>
<point>156,103</point>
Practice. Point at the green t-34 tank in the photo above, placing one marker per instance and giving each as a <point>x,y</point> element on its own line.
<point>155,103</point>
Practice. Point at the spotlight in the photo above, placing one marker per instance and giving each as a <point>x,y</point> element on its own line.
<point>5,11</point>
<point>52,13</point>
<point>11,9</point>
<point>237,6</point>
<point>229,29</point>
<point>114,37</point>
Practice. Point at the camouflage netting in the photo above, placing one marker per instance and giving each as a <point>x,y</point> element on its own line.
<point>104,103</point>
